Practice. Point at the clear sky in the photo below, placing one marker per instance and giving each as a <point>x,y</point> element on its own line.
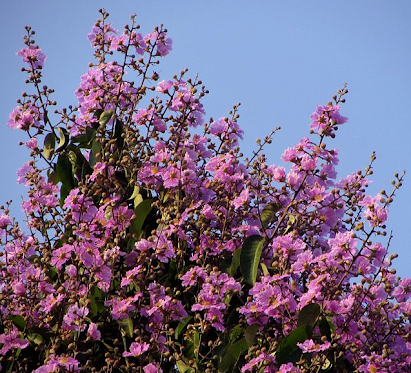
<point>278,58</point>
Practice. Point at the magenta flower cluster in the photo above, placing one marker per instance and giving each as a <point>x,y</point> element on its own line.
<point>153,245</point>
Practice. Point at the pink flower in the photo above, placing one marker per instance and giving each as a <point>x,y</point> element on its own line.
<point>278,173</point>
<point>74,318</point>
<point>289,155</point>
<point>4,221</point>
<point>71,270</point>
<point>23,174</point>
<point>32,143</point>
<point>50,302</point>
<point>137,349</point>
<point>164,86</point>
<point>33,55</point>
<point>171,177</point>
<point>242,199</point>
<point>321,118</point>
<point>61,256</point>
<point>289,368</point>
<point>310,346</point>
<point>11,340</point>
<point>93,332</point>
<point>152,368</point>
<point>208,212</point>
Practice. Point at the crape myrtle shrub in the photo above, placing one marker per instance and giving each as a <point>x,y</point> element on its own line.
<point>153,245</point>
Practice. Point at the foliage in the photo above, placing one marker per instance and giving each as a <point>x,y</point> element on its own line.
<point>153,245</point>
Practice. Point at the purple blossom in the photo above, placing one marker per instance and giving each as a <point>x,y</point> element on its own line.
<point>152,368</point>
<point>74,318</point>
<point>310,346</point>
<point>33,56</point>
<point>137,349</point>
<point>12,340</point>
<point>93,332</point>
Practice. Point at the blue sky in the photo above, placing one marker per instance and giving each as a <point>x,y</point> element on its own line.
<point>278,58</point>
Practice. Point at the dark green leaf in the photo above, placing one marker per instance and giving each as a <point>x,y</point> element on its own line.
<point>250,258</point>
<point>93,306</point>
<point>49,144</point>
<point>105,117</point>
<point>183,367</point>
<point>64,192</point>
<point>35,338</point>
<point>63,138</point>
<point>65,172</point>
<point>18,321</point>
<point>268,213</point>
<point>53,177</point>
<point>72,157</point>
<point>182,325</point>
<point>230,265</point>
<point>233,354</point>
<point>79,164</point>
<point>264,269</point>
<point>288,351</point>
<point>141,212</point>
<point>236,332</point>
<point>95,153</point>
<point>118,131</point>
<point>127,327</point>
<point>325,327</point>
<point>98,112</point>
<point>290,225</point>
<point>84,140</point>
<point>309,315</point>
<point>250,333</point>
<point>107,346</point>
<point>236,262</point>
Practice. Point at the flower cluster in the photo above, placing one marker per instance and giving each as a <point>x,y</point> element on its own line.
<point>153,245</point>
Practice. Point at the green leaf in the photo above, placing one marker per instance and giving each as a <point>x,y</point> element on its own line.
<point>126,327</point>
<point>182,325</point>
<point>79,164</point>
<point>105,117</point>
<point>53,177</point>
<point>326,327</point>
<point>64,192</point>
<point>230,265</point>
<point>136,196</point>
<point>268,213</point>
<point>250,333</point>
<point>118,131</point>
<point>65,173</point>
<point>97,113</point>
<point>232,355</point>
<point>107,346</point>
<point>309,315</point>
<point>183,367</point>
<point>49,144</point>
<point>18,321</point>
<point>96,303</point>
<point>95,153</point>
<point>84,140</point>
<point>291,221</point>
<point>236,262</point>
<point>250,258</point>
<point>63,139</point>
<point>141,212</point>
<point>264,269</point>
<point>35,338</point>
<point>288,351</point>
<point>72,157</point>
<point>236,332</point>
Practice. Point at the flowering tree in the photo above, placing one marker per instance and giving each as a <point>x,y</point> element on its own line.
<point>153,245</point>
